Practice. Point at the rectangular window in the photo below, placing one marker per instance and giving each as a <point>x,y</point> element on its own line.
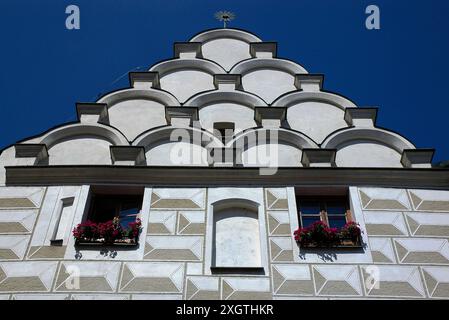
<point>109,204</point>
<point>333,211</point>
<point>224,131</point>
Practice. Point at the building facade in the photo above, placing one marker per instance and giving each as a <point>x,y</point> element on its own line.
<point>221,153</point>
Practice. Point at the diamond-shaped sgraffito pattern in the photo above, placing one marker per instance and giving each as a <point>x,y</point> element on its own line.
<point>158,277</point>
<point>202,288</point>
<point>430,200</point>
<point>291,279</point>
<point>88,276</point>
<point>178,199</point>
<point>279,223</point>
<point>437,281</point>
<point>385,223</point>
<point>337,280</point>
<point>428,251</point>
<point>277,199</point>
<point>392,281</point>
<point>13,247</point>
<point>26,276</point>
<point>161,222</point>
<point>281,249</point>
<point>191,222</point>
<point>428,224</point>
<point>245,289</point>
<point>384,199</point>
<point>185,248</point>
<point>382,250</point>
<point>17,221</point>
<point>21,197</point>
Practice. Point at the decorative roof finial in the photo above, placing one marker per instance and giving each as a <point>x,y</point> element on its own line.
<point>224,16</point>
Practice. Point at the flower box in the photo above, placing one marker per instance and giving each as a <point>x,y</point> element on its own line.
<point>320,236</point>
<point>108,233</point>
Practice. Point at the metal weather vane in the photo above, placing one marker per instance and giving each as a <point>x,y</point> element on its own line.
<point>224,16</point>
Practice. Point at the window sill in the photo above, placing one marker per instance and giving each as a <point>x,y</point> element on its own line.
<point>344,244</point>
<point>96,243</point>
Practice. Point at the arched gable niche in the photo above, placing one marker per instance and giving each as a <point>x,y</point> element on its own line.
<point>317,119</point>
<point>187,82</point>
<point>227,112</point>
<point>80,150</point>
<point>134,116</point>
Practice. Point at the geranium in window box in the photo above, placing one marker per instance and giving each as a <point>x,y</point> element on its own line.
<point>319,235</point>
<point>107,233</point>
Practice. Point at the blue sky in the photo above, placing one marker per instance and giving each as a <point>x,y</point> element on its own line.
<point>402,68</point>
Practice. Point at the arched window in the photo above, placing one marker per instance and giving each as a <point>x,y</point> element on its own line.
<point>236,234</point>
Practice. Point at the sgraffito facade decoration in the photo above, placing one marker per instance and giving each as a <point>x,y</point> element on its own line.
<point>222,228</point>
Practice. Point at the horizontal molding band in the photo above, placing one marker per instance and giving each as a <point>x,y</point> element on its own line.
<point>226,176</point>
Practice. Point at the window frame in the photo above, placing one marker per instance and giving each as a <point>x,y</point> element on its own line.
<point>323,201</point>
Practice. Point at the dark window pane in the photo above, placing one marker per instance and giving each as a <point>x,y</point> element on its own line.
<point>103,209</point>
<point>336,221</point>
<point>309,207</point>
<point>336,208</point>
<point>308,220</point>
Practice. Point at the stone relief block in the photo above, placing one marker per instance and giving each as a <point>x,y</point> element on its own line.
<point>156,297</point>
<point>192,222</point>
<point>17,221</point>
<point>338,280</point>
<point>382,250</point>
<point>276,199</point>
<point>93,276</point>
<point>292,279</point>
<point>100,297</point>
<point>4,297</point>
<point>178,198</point>
<point>13,247</point>
<point>279,223</point>
<point>26,276</point>
<point>384,223</point>
<point>161,222</point>
<point>430,200</point>
<point>437,281</point>
<point>52,296</point>
<point>428,224</point>
<point>202,288</point>
<point>384,199</point>
<point>427,251</point>
<point>392,281</point>
<point>281,249</point>
<point>157,277</point>
<point>21,197</point>
<point>245,289</point>
<point>47,252</point>
<point>179,248</point>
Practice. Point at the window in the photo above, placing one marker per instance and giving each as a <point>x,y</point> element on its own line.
<point>224,130</point>
<point>108,204</point>
<point>334,210</point>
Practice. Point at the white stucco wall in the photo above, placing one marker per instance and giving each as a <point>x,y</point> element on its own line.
<point>240,115</point>
<point>185,83</point>
<point>316,119</point>
<point>226,52</point>
<point>367,154</point>
<point>80,150</point>
<point>132,117</point>
<point>268,83</point>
